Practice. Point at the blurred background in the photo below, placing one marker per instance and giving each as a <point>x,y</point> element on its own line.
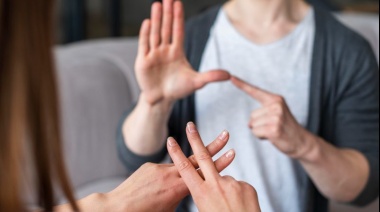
<point>88,19</point>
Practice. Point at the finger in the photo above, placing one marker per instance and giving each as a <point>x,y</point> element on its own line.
<point>221,163</point>
<point>269,110</point>
<point>167,23</point>
<point>201,154</point>
<point>260,113</point>
<point>228,178</point>
<point>188,173</point>
<point>144,38</point>
<point>211,76</point>
<point>224,161</point>
<point>156,25</point>
<point>178,25</point>
<point>262,132</point>
<point>214,147</point>
<point>264,121</point>
<point>255,92</point>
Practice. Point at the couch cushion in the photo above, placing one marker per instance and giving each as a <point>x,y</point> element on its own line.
<point>94,94</point>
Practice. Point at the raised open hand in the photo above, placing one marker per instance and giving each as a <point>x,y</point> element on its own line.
<point>162,70</point>
<point>212,192</point>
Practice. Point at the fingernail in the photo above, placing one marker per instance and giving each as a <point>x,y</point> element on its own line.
<point>223,135</point>
<point>230,153</point>
<point>191,127</point>
<point>172,142</point>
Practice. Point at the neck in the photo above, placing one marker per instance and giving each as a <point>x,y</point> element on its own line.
<point>267,12</point>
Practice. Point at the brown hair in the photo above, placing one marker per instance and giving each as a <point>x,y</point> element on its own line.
<point>29,118</point>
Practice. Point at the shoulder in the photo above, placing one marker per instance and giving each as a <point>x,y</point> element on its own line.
<point>345,54</point>
<point>339,37</point>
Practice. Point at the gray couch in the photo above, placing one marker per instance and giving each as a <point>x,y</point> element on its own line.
<point>97,85</point>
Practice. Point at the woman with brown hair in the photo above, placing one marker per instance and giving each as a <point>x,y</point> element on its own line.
<point>30,132</point>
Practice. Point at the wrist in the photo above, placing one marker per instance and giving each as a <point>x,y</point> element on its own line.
<point>310,150</point>
<point>145,129</point>
<point>162,106</point>
<point>94,202</point>
<point>117,200</point>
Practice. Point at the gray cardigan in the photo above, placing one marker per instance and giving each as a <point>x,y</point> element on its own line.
<point>344,98</point>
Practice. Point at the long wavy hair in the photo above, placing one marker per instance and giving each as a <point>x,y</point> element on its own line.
<point>29,114</point>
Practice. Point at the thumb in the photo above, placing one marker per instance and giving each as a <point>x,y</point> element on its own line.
<point>203,79</point>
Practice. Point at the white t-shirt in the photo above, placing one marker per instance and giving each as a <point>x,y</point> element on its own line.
<point>283,68</point>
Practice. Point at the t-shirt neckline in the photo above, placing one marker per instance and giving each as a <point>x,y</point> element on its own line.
<point>224,20</point>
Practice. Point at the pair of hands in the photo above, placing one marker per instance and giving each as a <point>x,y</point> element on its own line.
<point>210,191</point>
<point>162,187</point>
<point>165,75</point>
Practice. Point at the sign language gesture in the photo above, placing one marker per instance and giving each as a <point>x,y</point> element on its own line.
<point>162,70</point>
<point>212,192</point>
<point>159,187</point>
<point>274,121</point>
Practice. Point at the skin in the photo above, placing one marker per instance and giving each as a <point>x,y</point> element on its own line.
<point>164,76</point>
<point>265,22</point>
<point>339,174</point>
<point>158,186</point>
<point>212,192</point>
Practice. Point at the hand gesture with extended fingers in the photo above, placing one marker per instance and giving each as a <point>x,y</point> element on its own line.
<point>210,191</point>
<point>159,187</point>
<point>162,70</point>
<point>275,122</point>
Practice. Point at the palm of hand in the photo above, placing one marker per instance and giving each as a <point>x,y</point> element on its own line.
<point>162,69</point>
<point>166,74</point>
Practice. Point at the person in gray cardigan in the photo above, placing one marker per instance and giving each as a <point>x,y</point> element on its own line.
<point>312,107</point>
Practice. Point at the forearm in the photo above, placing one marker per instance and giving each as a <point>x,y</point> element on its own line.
<point>339,174</point>
<point>145,129</point>
<point>93,202</point>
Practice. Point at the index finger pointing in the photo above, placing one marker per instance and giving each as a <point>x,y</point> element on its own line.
<point>188,173</point>
<point>255,92</point>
